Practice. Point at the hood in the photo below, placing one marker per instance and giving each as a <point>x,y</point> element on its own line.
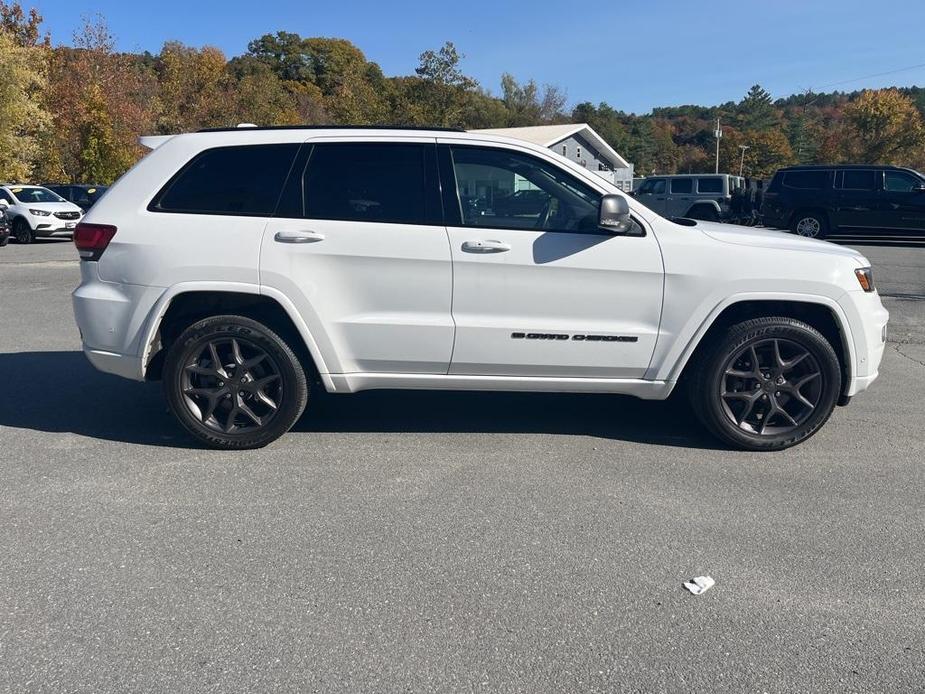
<point>52,206</point>
<point>770,238</point>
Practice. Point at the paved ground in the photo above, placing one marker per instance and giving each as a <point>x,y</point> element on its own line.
<point>428,541</point>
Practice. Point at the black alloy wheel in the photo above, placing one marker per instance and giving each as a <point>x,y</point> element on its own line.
<point>766,383</point>
<point>233,383</point>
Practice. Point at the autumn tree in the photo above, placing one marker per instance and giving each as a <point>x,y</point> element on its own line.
<point>528,104</point>
<point>194,85</point>
<point>883,127</point>
<point>23,80</point>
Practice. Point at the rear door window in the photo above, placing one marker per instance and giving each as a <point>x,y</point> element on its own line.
<point>858,179</point>
<point>372,182</point>
<point>807,180</point>
<point>710,185</point>
<point>682,186</point>
<point>243,181</point>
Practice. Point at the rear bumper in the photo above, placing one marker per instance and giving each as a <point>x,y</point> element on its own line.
<point>124,365</point>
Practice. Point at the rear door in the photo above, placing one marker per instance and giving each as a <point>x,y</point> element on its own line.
<point>544,293</point>
<point>857,197</point>
<point>359,245</point>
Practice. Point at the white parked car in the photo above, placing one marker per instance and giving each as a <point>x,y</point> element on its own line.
<point>35,211</point>
<point>241,265</point>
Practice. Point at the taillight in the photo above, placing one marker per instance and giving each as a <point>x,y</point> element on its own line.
<point>92,239</point>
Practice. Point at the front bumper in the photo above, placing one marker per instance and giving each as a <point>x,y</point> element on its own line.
<point>868,319</point>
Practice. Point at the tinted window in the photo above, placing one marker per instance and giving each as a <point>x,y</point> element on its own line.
<point>243,181</point>
<point>859,180</point>
<point>493,184</point>
<point>899,182</point>
<point>807,179</point>
<point>652,185</point>
<point>682,185</point>
<point>372,182</point>
<point>6,196</point>
<point>710,185</point>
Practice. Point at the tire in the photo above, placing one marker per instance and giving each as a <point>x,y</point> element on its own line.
<point>704,213</point>
<point>741,406</point>
<point>22,231</point>
<point>811,225</point>
<point>4,240</point>
<point>233,383</point>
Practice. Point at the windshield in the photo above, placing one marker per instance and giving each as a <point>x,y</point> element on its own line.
<point>36,195</point>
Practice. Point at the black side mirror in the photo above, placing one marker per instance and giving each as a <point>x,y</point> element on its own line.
<point>615,215</point>
<point>920,188</point>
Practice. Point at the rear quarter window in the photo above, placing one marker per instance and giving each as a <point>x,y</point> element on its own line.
<point>243,181</point>
<point>710,185</point>
<point>807,180</point>
<point>682,185</point>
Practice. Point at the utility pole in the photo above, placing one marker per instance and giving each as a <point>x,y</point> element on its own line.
<point>718,133</point>
<point>742,160</point>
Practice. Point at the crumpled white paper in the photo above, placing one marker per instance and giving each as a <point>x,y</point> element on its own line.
<point>699,585</point>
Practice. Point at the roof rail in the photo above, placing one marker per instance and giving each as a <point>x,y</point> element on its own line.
<point>249,127</point>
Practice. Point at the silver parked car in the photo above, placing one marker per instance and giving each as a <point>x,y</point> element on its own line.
<point>698,196</point>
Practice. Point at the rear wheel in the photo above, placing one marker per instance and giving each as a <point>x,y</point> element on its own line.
<point>233,383</point>
<point>812,225</point>
<point>766,384</point>
<point>705,213</point>
<point>22,231</point>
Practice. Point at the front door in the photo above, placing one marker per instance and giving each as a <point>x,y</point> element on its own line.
<point>902,202</point>
<point>359,245</point>
<point>653,194</point>
<point>542,291</point>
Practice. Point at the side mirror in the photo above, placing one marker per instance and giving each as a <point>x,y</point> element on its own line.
<point>615,215</point>
<point>4,204</point>
<point>919,188</point>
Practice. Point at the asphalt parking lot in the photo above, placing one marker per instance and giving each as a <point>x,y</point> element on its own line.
<point>439,541</point>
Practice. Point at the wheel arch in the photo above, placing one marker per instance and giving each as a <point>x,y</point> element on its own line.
<point>820,312</point>
<point>184,306</point>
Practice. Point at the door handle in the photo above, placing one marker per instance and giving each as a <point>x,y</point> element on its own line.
<point>485,247</point>
<point>298,237</point>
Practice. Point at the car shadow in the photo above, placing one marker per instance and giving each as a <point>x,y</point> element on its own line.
<point>62,392</point>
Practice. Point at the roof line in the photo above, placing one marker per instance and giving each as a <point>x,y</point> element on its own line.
<point>328,127</point>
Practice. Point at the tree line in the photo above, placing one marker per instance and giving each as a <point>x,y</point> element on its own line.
<point>73,113</point>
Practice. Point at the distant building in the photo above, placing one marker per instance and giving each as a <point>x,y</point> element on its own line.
<point>578,142</point>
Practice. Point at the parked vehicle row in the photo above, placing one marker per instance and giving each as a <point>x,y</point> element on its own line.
<point>34,211</point>
<point>239,266</point>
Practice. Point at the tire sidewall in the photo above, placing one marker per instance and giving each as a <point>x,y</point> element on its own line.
<point>806,337</point>
<point>194,339</point>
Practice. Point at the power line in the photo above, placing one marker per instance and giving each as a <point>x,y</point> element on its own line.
<point>867,77</point>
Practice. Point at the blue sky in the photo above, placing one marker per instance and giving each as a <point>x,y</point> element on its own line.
<point>633,54</point>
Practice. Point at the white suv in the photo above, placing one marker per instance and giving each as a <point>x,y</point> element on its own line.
<point>240,265</point>
<point>36,211</point>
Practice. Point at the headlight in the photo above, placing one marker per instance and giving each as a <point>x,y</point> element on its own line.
<point>40,213</point>
<point>865,278</point>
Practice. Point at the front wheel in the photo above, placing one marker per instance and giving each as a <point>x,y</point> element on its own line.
<point>233,383</point>
<point>766,384</point>
<point>23,231</point>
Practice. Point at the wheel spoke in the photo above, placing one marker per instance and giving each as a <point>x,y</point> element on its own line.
<point>790,363</point>
<point>747,410</point>
<point>242,407</point>
<point>210,409</point>
<point>216,362</point>
<point>806,379</point>
<point>777,357</point>
<point>253,361</point>
<point>202,370</point>
<point>236,352</point>
<point>229,423</point>
<point>266,400</point>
